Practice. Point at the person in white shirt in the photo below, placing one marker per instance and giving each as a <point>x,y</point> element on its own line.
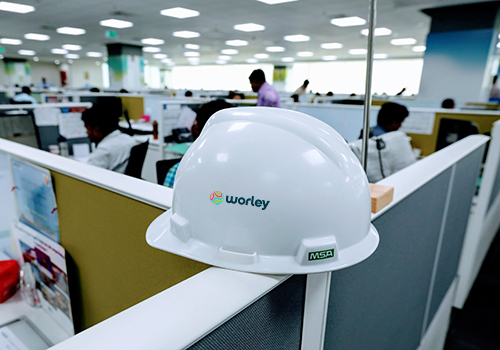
<point>25,96</point>
<point>302,89</point>
<point>112,146</point>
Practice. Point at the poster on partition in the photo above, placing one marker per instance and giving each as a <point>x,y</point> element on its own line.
<point>35,197</point>
<point>48,262</point>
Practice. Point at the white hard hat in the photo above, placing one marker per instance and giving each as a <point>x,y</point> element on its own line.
<point>268,190</point>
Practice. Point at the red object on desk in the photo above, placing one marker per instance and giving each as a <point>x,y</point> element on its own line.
<point>9,274</point>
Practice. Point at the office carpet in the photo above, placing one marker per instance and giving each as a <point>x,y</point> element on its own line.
<point>477,325</point>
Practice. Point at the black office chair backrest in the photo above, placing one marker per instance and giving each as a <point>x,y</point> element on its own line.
<point>452,130</point>
<point>162,168</point>
<point>136,160</point>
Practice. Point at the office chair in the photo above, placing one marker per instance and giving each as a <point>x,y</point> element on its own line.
<point>130,130</point>
<point>452,130</point>
<point>136,160</point>
<point>162,168</point>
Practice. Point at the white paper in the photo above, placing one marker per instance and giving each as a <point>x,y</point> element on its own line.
<point>71,125</point>
<point>170,116</point>
<point>81,150</point>
<point>419,123</point>
<point>46,116</point>
<point>186,118</point>
<point>9,341</point>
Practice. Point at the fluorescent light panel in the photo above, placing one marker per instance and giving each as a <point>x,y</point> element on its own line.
<point>382,31</point>
<point>236,42</point>
<point>297,38</point>
<point>26,52</point>
<point>151,49</point>
<point>224,58</point>
<point>220,62</point>
<point>358,52</point>
<point>403,41</point>
<point>191,54</point>
<point>152,41</point>
<point>7,41</point>
<point>421,48</point>
<point>72,47</point>
<point>305,54</point>
<point>251,60</point>
<point>275,49</point>
<point>179,12</point>
<point>72,56</point>
<point>331,46</point>
<point>186,34</point>
<point>275,2</point>
<point>17,8</point>
<point>192,47</point>
<point>116,23</point>
<point>329,58</point>
<point>193,59</point>
<point>160,56</point>
<point>348,21</point>
<point>59,51</point>
<point>249,27</point>
<point>261,55</point>
<point>287,59</point>
<point>70,31</point>
<point>37,37</point>
<point>94,54</point>
<point>380,56</point>
<point>229,52</point>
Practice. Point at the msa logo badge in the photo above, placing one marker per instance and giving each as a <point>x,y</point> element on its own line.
<point>322,254</point>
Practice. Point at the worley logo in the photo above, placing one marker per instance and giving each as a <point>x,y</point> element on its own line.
<point>217,198</point>
<point>322,254</point>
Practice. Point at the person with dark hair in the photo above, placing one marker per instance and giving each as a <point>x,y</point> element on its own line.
<point>448,103</point>
<point>495,91</point>
<point>44,84</point>
<point>302,89</point>
<point>112,146</point>
<point>390,117</point>
<point>329,94</point>
<point>25,96</point>
<point>188,94</point>
<point>268,96</point>
<point>123,91</point>
<point>203,114</point>
<point>94,89</point>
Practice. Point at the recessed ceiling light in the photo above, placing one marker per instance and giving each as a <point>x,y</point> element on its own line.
<point>297,38</point>
<point>57,62</point>
<point>97,63</point>
<point>305,54</point>
<point>1,57</point>
<point>94,54</point>
<point>249,27</point>
<point>36,59</point>
<point>275,2</point>
<point>192,47</point>
<point>186,34</point>
<point>380,56</point>
<point>70,61</point>
<point>225,58</point>
<point>237,43</point>
<point>420,48</point>
<point>160,56</point>
<point>72,47</point>
<point>229,51</point>
<point>348,21</point>
<point>26,52</point>
<point>7,41</point>
<point>191,54</point>
<point>152,41</point>
<point>403,41</point>
<point>275,49</point>
<point>70,31</point>
<point>358,51</point>
<point>116,23</point>
<point>382,31</point>
<point>261,55</point>
<point>179,12</point>
<point>38,37</point>
<point>287,59</point>
<point>105,59</point>
<point>17,8</point>
<point>329,58</point>
<point>221,62</point>
<point>59,51</point>
<point>151,49</point>
<point>251,60</point>
<point>72,55</point>
<point>330,46</point>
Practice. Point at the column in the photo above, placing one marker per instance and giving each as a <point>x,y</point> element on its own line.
<point>126,67</point>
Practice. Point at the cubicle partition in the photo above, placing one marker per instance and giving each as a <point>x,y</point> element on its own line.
<point>399,298</point>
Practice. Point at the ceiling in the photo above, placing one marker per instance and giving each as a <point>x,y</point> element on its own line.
<point>215,25</point>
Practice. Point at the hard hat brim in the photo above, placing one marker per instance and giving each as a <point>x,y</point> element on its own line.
<point>160,236</point>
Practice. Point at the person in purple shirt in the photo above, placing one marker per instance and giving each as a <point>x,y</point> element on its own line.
<point>268,96</point>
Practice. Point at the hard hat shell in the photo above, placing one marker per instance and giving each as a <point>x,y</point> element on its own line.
<point>268,190</point>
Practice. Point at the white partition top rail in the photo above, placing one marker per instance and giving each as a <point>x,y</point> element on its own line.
<point>47,105</point>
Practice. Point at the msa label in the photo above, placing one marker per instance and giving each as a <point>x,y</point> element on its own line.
<point>322,254</point>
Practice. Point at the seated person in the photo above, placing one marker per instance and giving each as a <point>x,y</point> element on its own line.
<point>387,154</point>
<point>202,115</point>
<point>112,146</point>
<point>390,117</point>
<point>25,96</point>
<point>448,103</point>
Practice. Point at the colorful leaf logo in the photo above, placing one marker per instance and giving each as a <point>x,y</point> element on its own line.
<point>216,197</point>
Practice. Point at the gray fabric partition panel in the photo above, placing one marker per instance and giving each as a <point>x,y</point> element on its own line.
<point>380,303</point>
<point>496,188</point>
<point>464,186</point>
<point>272,322</point>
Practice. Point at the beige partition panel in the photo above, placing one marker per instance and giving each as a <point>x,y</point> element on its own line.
<point>104,232</point>
<point>427,143</point>
<point>134,106</point>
